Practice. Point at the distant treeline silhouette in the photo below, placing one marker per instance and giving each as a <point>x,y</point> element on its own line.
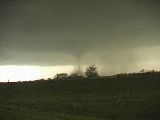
<point>91,72</point>
<point>143,74</point>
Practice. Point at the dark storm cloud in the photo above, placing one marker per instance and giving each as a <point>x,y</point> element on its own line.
<point>59,32</point>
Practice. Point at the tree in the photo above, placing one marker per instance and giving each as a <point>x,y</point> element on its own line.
<point>60,76</point>
<point>91,71</point>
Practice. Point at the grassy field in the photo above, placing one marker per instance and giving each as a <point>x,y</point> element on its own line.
<point>86,99</point>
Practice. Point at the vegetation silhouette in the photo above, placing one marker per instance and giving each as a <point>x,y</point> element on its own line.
<point>91,71</point>
<point>142,74</point>
<point>61,76</point>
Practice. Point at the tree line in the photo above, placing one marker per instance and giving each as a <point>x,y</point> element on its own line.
<point>90,71</point>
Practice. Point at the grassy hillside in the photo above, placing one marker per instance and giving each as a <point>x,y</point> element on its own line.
<point>87,99</point>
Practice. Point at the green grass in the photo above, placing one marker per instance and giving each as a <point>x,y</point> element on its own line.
<point>87,99</point>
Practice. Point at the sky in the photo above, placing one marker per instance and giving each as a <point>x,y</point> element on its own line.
<point>115,35</point>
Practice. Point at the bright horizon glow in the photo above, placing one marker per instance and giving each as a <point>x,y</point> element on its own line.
<point>15,73</point>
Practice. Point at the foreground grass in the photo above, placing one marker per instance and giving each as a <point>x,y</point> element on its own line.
<point>89,99</point>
